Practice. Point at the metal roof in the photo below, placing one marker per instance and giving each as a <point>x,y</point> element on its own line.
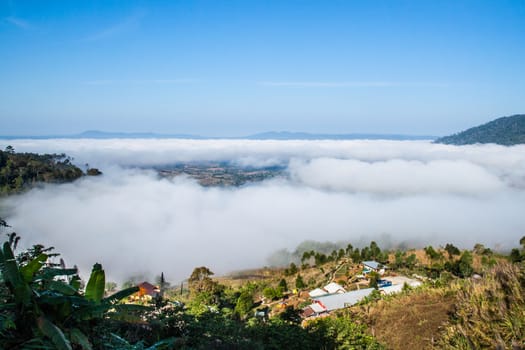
<point>317,308</point>
<point>333,288</point>
<point>339,301</point>
<point>317,292</point>
<point>372,264</point>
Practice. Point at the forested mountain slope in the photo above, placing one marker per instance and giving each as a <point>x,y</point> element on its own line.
<point>19,171</point>
<point>504,131</point>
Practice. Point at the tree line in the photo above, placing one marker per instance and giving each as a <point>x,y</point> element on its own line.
<point>21,171</point>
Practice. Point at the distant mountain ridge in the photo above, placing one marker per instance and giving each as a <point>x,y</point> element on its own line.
<point>271,135</point>
<point>505,131</point>
<point>96,134</point>
<point>286,135</point>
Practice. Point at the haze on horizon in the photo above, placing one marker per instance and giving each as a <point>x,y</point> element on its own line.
<point>232,68</point>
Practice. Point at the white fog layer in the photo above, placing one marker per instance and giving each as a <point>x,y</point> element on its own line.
<point>134,222</point>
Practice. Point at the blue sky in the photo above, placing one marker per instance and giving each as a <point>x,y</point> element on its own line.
<point>239,67</point>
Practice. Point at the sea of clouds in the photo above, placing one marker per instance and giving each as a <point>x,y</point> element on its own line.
<point>134,222</point>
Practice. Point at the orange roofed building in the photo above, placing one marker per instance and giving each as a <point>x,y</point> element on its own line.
<point>147,292</point>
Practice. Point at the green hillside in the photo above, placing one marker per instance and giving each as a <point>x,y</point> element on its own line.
<point>20,171</point>
<point>470,299</point>
<point>506,131</point>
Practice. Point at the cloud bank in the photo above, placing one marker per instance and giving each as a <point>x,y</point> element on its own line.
<point>133,222</point>
<point>396,177</point>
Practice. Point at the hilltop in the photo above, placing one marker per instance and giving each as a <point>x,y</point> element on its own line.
<point>22,171</point>
<point>427,307</point>
<point>506,131</point>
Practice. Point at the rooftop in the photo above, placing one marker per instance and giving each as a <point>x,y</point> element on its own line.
<point>372,264</point>
<point>333,287</point>
<point>339,301</point>
<point>317,292</point>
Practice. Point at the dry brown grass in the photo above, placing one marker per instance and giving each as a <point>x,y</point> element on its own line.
<point>490,312</point>
<point>239,278</point>
<point>412,321</point>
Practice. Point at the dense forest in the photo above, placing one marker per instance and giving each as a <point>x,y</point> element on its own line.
<point>21,171</point>
<point>504,131</point>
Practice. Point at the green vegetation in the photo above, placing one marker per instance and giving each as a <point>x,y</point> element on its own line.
<point>490,311</point>
<point>344,333</point>
<point>21,171</point>
<point>504,131</point>
<point>374,278</point>
<point>327,252</point>
<point>299,283</point>
<point>43,305</point>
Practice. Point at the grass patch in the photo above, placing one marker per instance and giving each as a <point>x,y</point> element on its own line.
<point>410,321</point>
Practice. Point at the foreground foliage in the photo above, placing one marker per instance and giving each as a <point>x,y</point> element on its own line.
<point>43,306</point>
<point>490,311</point>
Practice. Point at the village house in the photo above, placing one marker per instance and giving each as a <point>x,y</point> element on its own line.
<point>334,288</point>
<point>340,301</point>
<point>314,309</point>
<point>371,265</point>
<point>330,288</point>
<point>325,303</point>
<point>146,293</point>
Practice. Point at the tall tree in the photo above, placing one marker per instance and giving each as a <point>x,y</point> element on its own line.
<point>299,283</point>
<point>375,251</point>
<point>283,285</point>
<point>200,280</point>
<point>451,250</point>
<point>244,303</point>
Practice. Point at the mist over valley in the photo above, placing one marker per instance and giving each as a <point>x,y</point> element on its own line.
<point>137,220</point>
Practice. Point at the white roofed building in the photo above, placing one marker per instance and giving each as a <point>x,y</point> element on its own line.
<point>330,288</point>
<point>333,288</point>
<point>371,265</point>
<point>317,292</point>
<point>340,301</point>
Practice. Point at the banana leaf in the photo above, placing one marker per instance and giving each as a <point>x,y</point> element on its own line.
<point>29,270</point>
<point>168,343</point>
<point>52,298</point>
<point>96,284</point>
<point>75,282</point>
<point>79,338</point>
<point>61,287</point>
<point>51,272</point>
<point>54,333</point>
<point>91,312</point>
<point>12,274</point>
<point>121,294</point>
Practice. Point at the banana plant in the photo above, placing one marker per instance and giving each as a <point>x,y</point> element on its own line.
<point>47,307</point>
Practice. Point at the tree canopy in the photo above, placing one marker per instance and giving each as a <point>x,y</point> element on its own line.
<point>504,131</point>
<point>20,171</point>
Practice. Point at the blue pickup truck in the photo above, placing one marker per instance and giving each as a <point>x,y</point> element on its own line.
<point>383,283</point>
